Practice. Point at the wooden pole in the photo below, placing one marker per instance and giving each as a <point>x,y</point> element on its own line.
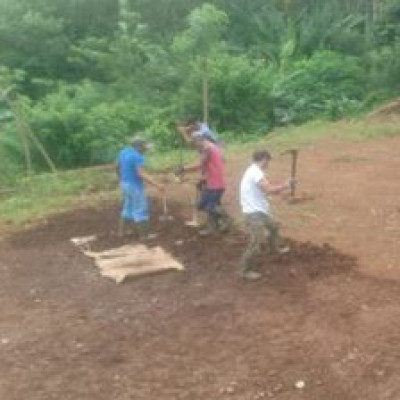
<point>25,132</point>
<point>41,149</point>
<point>29,133</point>
<point>21,133</point>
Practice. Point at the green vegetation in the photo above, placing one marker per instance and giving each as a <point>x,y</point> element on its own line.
<point>90,73</point>
<point>311,132</point>
<point>44,194</point>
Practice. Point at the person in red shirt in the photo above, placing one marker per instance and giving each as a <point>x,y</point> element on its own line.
<point>212,170</point>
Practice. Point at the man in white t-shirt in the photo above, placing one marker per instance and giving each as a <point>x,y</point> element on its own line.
<point>254,191</point>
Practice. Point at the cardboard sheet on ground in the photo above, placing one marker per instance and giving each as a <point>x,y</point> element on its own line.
<point>132,260</point>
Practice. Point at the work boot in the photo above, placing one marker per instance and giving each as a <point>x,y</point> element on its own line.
<point>207,231</point>
<point>121,228</point>
<point>250,275</point>
<point>212,226</point>
<point>223,220</point>
<point>126,228</point>
<point>225,223</point>
<point>246,270</point>
<point>142,229</point>
<point>283,250</point>
<point>150,236</point>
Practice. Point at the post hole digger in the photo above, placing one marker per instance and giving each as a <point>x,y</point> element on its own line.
<point>179,172</point>
<point>294,197</point>
<point>293,171</point>
<point>165,217</point>
<point>194,222</point>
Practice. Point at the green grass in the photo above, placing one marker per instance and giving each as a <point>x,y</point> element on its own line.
<point>309,133</point>
<point>38,196</point>
<point>41,195</point>
<point>355,130</point>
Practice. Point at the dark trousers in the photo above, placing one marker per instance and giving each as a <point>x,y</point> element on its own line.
<point>210,200</point>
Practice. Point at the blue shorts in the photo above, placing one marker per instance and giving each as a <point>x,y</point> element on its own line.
<point>135,206</point>
<point>210,200</point>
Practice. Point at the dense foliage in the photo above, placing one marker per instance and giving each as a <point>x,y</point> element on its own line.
<point>89,73</point>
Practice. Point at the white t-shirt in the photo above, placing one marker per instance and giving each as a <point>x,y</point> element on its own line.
<point>252,198</point>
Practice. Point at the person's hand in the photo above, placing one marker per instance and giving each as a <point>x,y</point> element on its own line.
<point>290,183</point>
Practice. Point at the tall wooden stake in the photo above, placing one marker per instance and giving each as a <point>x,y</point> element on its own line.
<point>25,132</point>
<point>21,133</point>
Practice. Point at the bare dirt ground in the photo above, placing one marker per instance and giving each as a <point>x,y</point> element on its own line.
<point>327,314</point>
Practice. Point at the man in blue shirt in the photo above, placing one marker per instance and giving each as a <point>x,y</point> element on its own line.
<point>132,177</point>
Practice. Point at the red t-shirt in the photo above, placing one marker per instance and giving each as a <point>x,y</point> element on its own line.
<point>213,167</point>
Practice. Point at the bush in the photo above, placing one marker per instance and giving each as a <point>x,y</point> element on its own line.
<point>384,68</point>
<point>163,134</point>
<point>241,94</point>
<point>59,117</point>
<point>110,125</point>
<point>83,125</point>
<point>12,162</point>
<point>328,84</point>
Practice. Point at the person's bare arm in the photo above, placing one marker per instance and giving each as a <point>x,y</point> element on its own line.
<point>192,167</point>
<point>269,188</point>
<point>205,156</point>
<point>148,179</point>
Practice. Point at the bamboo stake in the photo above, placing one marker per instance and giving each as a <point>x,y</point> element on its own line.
<point>28,133</point>
<point>23,137</point>
<point>41,148</point>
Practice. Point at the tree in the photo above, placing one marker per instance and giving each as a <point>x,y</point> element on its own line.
<point>200,41</point>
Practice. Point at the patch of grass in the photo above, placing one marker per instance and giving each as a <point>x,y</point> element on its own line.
<point>344,130</point>
<point>44,194</point>
<point>312,132</point>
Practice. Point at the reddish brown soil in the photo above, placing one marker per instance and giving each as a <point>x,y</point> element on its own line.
<point>389,110</point>
<point>327,314</point>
